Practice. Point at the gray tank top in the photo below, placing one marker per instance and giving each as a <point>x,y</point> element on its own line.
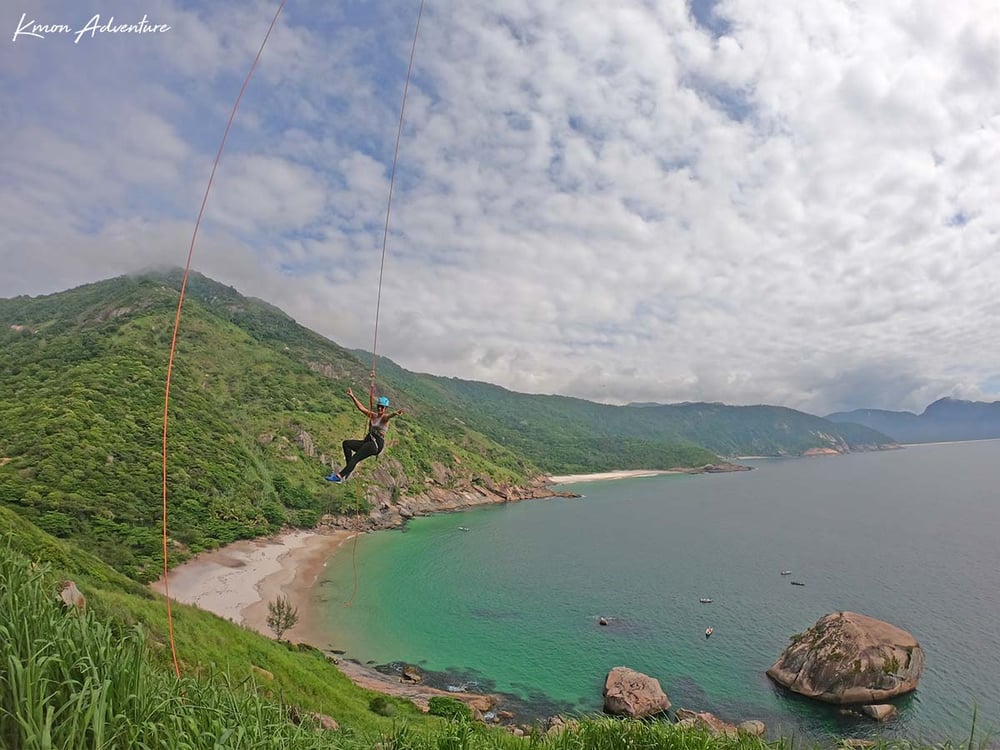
<point>377,427</point>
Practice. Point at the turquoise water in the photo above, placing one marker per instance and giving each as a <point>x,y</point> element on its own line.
<point>909,536</point>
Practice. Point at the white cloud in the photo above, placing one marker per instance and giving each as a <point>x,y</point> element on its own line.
<point>795,206</point>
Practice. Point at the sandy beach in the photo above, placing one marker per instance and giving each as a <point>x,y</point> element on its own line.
<point>606,475</point>
<point>239,580</point>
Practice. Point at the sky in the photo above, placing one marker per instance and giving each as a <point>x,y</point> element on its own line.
<point>632,201</point>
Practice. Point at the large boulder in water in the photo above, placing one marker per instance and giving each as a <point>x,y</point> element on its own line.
<point>633,694</point>
<point>850,658</point>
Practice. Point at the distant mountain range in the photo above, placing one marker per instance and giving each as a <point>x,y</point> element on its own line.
<point>945,420</point>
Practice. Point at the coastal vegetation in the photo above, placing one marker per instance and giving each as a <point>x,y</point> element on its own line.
<point>281,616</point>
<point>258,413</point>
<point>450,708</point>
<point>102,679</point>
<point>569,435</point>
<point>257,416</point>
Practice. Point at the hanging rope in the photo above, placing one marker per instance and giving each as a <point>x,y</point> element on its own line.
<point>177,321</point>
<point>381,273</point>
<point>392,182</point>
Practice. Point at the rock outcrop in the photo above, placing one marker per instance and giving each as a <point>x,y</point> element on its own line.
<point>753,727</point>
<point>396,499</point>
<point>558,724</point>
<point>72,598</point>
<point>880,711</point>
<point>419,693</point>
<point>411,673</point>
<point>850,658</point>
<point>706,720</point>
<point>633,694</point>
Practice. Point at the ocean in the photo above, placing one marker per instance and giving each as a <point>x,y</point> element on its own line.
<point>508,598</point>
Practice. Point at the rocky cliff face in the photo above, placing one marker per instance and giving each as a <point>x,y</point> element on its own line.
<point>850,658</point>
<point>395,500</point>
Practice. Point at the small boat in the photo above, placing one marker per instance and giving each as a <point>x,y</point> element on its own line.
<point>463,528</point>
<point>786,572</point>
<point>601,621</point>
<point>705,600</point>
<point>796,583</point>
<point>708,631</point>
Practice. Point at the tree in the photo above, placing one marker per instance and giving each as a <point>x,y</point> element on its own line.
<point>282,616</point>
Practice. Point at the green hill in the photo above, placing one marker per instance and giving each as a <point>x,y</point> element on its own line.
<point>258,412</point>
<point>257,415</point>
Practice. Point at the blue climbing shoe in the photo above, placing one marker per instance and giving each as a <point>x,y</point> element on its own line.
<point>335,477</point>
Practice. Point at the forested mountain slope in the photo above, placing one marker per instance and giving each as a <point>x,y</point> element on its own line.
<point>257,415</point>
<point>258,412</point>
<point>569,434</point>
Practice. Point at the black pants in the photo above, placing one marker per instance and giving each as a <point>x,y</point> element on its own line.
<point>356,451</point>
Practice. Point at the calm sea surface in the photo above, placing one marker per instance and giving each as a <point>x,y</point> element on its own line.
<point>511,605</point>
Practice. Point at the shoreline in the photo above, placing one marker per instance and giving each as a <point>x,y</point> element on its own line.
<point>238,581</point>
<point>605,476</point>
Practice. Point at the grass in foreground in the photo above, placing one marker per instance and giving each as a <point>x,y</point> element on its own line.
<point>101,680</point>
<point>77,680</point>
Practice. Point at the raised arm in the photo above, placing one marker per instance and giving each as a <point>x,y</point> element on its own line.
<point>361,407</point>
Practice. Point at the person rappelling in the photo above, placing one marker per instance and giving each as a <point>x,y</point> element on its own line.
<point>356,451</point>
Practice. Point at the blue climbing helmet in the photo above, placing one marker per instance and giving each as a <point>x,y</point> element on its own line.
<point>382,401</point>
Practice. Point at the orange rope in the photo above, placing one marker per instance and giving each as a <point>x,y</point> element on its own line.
<point>177,322</point>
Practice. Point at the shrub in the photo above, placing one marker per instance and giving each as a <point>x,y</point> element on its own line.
<point>449,708</point>
<point>890,665</point>
<point>381,706</point>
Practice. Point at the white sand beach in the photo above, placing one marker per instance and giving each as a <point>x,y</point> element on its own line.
<point>606,475</point>
<point>239,580</point>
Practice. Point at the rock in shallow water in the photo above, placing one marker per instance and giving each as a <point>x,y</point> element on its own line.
<point>850,658</point>
<point>633,694</point>
<point>753,727</point>
<point>880,711</point>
